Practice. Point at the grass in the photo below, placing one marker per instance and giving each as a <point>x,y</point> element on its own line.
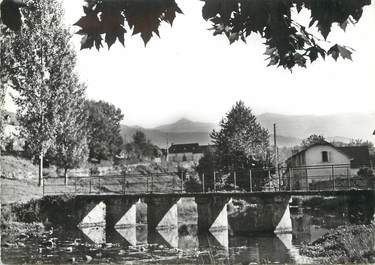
<point>13,190</point>
<point>19,181</point>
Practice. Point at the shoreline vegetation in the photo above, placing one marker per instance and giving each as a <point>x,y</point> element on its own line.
<point>19,219</point>
<point>345,244</point>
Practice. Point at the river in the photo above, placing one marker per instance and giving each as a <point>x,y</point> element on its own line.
<point>176,246</point>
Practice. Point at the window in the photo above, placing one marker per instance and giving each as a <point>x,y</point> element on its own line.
<point>324,156</point>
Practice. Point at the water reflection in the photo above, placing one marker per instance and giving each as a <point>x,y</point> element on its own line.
<point>94,235</point>
<point>170,236</point>
<point>217,238</point>
<point>293,251</point>
<point>182,245</point>
<point>123,236</point>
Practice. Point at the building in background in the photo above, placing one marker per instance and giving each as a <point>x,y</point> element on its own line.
<point>324,161</point>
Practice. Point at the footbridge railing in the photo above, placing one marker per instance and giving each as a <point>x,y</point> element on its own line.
<point>308,178</point>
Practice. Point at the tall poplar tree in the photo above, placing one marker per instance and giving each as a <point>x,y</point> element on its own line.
<point>71,148</point>
<point>40,62</point>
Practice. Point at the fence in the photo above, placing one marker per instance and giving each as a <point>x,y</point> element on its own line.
<point>309,178</point>
<point>114,184</point>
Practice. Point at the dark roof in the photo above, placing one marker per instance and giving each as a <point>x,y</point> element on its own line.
<point>359,154</point>
<point>207,148</point>
<point>183,148</point>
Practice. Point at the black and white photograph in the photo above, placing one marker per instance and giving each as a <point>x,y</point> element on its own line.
<point>187,132</point>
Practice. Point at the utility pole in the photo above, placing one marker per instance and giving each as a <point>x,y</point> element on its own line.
<point>276,155</point>
<point>166,158</point>
<point>275,145</point>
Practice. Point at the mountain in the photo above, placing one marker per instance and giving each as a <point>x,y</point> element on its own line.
<point>186,126</point>
<point>339,126</point>
<point>160,138</point>
<point>291,129</point>
<point>186,131</point>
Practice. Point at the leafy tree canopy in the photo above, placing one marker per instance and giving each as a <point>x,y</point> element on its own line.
<point>288,43</point>
<point>38,62</point>
<point>103,128</point>
<point>2,114</point>
<point>141,147</point>
<point>71,149</point>
<point>139,138</point>
<point>241,141</point>
<point>313,139</point>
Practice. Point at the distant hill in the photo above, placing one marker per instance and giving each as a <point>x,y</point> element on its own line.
<point>186,126</point>
<point>339,126</point>
<point>160,138</point>
<point>291,129</point>
<point>186,131</point>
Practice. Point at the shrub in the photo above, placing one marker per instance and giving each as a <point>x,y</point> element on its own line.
<point>365,172</point>
<point>193,184</point>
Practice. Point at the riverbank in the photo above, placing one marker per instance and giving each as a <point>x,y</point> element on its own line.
<point>345,244</point>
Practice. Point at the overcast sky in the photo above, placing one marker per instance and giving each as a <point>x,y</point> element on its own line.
<point>190,73</point>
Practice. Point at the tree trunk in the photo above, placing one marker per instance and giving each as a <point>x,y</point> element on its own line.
<point>66,176</point>
<point>41,181</point>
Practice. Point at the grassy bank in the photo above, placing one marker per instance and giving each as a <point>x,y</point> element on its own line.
<point>346,244</point>
<point>19,180</point>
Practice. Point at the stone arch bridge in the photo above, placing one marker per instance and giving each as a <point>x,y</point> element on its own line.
<point>265,211</point>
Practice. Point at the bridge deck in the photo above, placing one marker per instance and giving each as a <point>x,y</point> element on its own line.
<point>325,193</point>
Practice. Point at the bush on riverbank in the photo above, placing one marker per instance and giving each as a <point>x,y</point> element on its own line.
<point>19,213</point>
<point>335,203</point>
<point>355,243</point>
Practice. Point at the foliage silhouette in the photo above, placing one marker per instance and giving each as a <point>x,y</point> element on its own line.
<point>288,43</point>
<point>108,17</point>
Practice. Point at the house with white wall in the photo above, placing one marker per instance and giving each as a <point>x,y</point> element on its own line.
<point>324,161</point>
<point>184,153</point>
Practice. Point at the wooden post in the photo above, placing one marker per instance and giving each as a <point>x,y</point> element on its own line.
<point>235,179</point>
<point>90,185</point>
<point>182,182</point>
<point>333,177</point>
<point>214,181</point>
<point>173,184</point>
<point>269,179</point>
<point>147,183</point>
<point>124,182</point>
<point>203,182</point>
<point>99,183</point>
<point>40,173</point>
<point>348,177</point>
<point>290,179</point>
<point>251,181</point>
<point>307,179</point>
<point>152,183</point>
<point>279,177</point>
<point>75,185</point>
